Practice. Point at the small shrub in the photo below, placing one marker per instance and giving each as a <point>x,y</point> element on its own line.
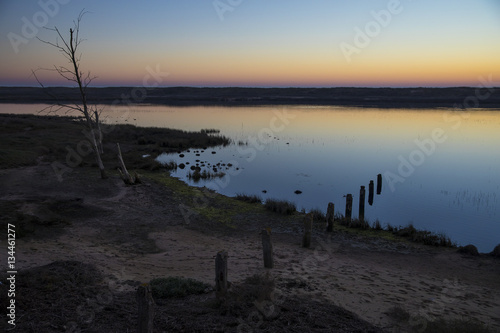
<point>408,232</point>
<point>248,198</point>
<point>496,251</point>
<point>177,287</point>
<point>468,249</point>
<point>318,215</point>
<point>280,206</point>
<point>377,225</point>
<point>359,224</point>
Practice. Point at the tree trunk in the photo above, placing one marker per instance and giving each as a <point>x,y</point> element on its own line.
<point>98,155</point>
<point>99,131</point>
<point>84,103</point>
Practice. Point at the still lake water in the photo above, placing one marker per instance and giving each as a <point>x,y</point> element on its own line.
<point>441,168</point>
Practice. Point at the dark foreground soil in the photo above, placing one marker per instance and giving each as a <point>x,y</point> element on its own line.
<point>69,296</point>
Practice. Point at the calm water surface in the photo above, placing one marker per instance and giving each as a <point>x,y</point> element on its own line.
<point>441,169</point>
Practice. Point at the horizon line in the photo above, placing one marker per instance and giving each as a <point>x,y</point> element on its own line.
<point>250,87</point>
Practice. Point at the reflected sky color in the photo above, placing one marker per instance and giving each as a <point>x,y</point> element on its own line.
<point>327,152</point>
<point>263,43</point>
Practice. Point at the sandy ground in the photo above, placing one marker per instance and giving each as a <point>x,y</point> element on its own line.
<point>138,233</point>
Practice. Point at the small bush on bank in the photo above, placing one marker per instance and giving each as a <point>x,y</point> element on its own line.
<point>280,206</point>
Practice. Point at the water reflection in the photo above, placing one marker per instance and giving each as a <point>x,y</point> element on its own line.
<point>327,152</point>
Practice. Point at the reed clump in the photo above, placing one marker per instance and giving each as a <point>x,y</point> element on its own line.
<point>248,198</point>
<point>280,206</point>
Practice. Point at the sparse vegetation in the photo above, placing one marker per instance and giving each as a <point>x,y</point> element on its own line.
<point>409,232</point>
<point>248,198</point>
<point>355,223</point>
<point>377,225</point>
<point>318,215</point>
<point>280,206</point>
<point>210,131</point>
<point>196,175</point>
<point>171,165</point>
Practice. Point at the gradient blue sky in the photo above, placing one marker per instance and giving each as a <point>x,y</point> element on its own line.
<point>262,42</point>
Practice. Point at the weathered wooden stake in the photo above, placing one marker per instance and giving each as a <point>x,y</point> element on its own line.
<point>221,273</point>
<point>370,193</point>
<point>146,306</point>
<point>379,184</point>
<point>267,248</point>
<point>348,207</point>
<point>127,178</point>
<point>330,214</point>
<point>308,223</point>
<point>362,203</point>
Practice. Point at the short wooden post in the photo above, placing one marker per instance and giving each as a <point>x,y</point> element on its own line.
<point>146,306</point>
<point>308,223</point>
<point>330,214</point>
<point>221,273</point>
<point>362,193</point>
<point>348,207</point>
<point>267,248</point>
<point>379,184</point>
<point>370,193</point>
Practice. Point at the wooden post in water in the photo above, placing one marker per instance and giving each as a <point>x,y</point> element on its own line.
<point>379,184</point>
<point>221,273</point>
<point>145,304</point>
<point>348,207</point>
<point>370,193</point>
<point>330,214</point>
<point>362,193</point>
<point>308,223</point>
<point>267,248</point>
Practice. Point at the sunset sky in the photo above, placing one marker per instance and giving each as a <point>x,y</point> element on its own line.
<point>259,43</point>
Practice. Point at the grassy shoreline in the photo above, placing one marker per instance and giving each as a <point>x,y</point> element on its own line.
<point>28,139</point>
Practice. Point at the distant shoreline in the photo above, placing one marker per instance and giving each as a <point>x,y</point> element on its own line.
<point>411,98</point>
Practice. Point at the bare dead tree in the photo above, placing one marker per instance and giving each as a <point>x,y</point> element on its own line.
<point>73,73</point>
